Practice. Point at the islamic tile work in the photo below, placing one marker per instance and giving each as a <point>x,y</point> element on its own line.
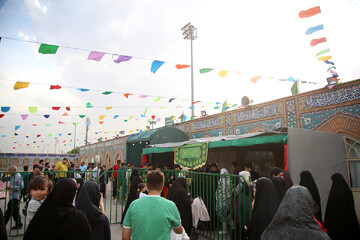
<point>228,124</point>
<point>187,129</point>
<point>329,98</point>
<point>314,119</point>
<point>209,133</point>
<point>291,118</point>
<point>257,113</point>
<point>208,123</point>
<point>268,124</point>
<point>180,127</point>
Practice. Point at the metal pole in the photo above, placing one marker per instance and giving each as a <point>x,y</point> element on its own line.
<point>75,137</point>
<point>192,75</point>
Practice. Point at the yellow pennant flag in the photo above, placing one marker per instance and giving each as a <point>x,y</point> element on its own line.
<point>223,73</point>
<point>19,85</point>
<point>131,131</point>
<point>102,117</point>
<point>325,58</point>
<point>108,108</point>
<point>173,118</point>
<point>255,79</point>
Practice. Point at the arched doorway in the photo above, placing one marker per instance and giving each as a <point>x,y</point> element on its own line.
<point>36,161</point>
<point>15,162</point>
<point>26,162</point>
<point>4,163</point>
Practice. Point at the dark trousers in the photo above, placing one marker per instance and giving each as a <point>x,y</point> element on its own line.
<point>114,188</point>
<point>13,210</point>
<point>102,189</point>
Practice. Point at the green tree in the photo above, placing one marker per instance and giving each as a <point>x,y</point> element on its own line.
<point>74,151</point>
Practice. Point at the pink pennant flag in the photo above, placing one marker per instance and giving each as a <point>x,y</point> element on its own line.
<point>24,116</point>
<point>143,96</point>
<point>96,56</point>
<point>60,122</point>
<point>158,120</point>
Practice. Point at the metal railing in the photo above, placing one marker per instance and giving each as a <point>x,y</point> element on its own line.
<point>227,198</point>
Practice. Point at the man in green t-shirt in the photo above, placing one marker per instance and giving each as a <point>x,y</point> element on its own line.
<point>153,216</point>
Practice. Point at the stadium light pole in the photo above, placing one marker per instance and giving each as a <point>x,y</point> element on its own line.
<point>190,33</point>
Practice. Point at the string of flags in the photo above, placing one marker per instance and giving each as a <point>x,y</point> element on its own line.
<point>45,48</point>
<point>323,55</point>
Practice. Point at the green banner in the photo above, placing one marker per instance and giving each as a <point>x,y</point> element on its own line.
<point>191,156</point>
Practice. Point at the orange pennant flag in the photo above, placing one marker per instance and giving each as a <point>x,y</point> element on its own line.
<point>310,12</point>
<point>127,95</point>
<point>181,66</point>
<point>65,114</point>
<point>108,108</point>
<point>255,79</point>
<point>101,122</point>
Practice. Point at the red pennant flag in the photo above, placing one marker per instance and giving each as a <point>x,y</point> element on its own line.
<point>315,42</point>
<point>127,95</point>
<point>38,135</point>
<point>181,66</point>
<point>34,125</point>
<point>153,117</point>
<point>68,108</point>
<point>55,87</point>
<point>101,122</point>
<point>56,108</point>
<point>310,12</point>
<point>196,102</point>
<point>2,115</point>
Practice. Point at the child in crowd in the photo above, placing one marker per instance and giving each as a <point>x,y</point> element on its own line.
<point>39,188</point>
<point>141,189</point>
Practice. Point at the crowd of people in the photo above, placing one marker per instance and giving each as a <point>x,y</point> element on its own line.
<point>64,202</point>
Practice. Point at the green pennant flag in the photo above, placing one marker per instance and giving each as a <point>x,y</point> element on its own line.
<point>49,135</point>
<point>157,99</point>
<point>216,107</point>
<point>294,88</point>
<point>106,93</point>
<point>33,109</point>
<point>192,118</point>
<point>145,110</point>
<point>88,105</point>
<point>82,116</point>
<point>69,134</point>
<point>131,117</point>
<point>16,134</point>
<point>125,120</point>
<point>322,52</point>
<point>205,70</point>
<point>224,107</point>
<point>75,123</point>
<point>48,49</point>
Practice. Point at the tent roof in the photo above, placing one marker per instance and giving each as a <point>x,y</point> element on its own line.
<point>276,136</point>
<point>159,135</point>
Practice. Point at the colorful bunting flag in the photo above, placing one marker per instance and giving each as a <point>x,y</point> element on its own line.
<point>322,52</point>
<point>19,85</point>
<point>108,108</point>
<point>5,109</point>
<point>101,122</point>
<point>143,96</point>
<point>56,108</point>
<point>96,56</point>
<point>156,65</point>
<point>24,116</point>
<point>315,42</point>
<point>157,99</point>
<point>206,70</point>
<point>131,117</point>
<point>255,79</point>
<point>82,116</point>
<point>294,88</point>
<point>68,108</point>
<point>2,115</point>
<point>60,122</point>
<point>88,105</point>
<point>39,135</point>
<point>171,99</point>
<point>122,58</point>
<point>324,58</point>
<point>127,94</point>
<point>223,73</point>
<point>115,116</point>
<point>48,49</point>
<point>107,93</point>
<point>83,89</point>
<point>17,127</point>
<point>310,12</point>
<point>314,29</point>
<point>102,117</point>
<point>146,109</point>
<point>55,87</point>
<point>65,114</point>
<point>180,66</point>
<point>33,109</point>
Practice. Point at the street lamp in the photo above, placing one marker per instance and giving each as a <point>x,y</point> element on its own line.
<point>55,144</point>
<point>190,33</point>
<point>152,123</point>
<point>75,123</point>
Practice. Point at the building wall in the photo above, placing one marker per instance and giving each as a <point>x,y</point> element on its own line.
<point>335,110</point>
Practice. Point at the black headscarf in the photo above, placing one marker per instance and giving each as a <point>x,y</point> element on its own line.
<point>307,180</point>
<point>295,218</point>
<point>279,185</point>
<point>133,194</point>
<point>265,207</point>
<point>79,181</point>
<point>340,216</point>
<point>179,196</point>
<point>88,202</point>
<point>57,219</point>
<point>287,179</point>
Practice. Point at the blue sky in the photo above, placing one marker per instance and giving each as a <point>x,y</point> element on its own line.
<point>247,38</point>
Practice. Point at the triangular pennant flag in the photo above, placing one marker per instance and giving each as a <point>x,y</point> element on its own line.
<point>56,108</point>
<point>60,134</point>
<point>55,87</point>
<point>145,110</point>
<point>65,114</point>
<point>48,49</point>
<point>48,125</point>
<point>122,58</point>
<point>310,12</point>
<point>153,117</point>
<point>5,109</point>
<point>180,66</point>
<point>315,42</point>
<point>156,65</point>
<point>68,108</point>
<point>16,134</point>
<point>2,115</point>
<point>324,58</point>
<point>102,117</point>
<point>125,120</point>
<point>206,70</point>
<point>101,122</point>
<point>88,105</point>
<point>49,135</point>
<point>255,79</point>
<point>171,99</point>
<point>75,123</point>
<point>223,73</point>
<point>108,108</point>
<point>294,88</point>
<point>328,62</point>
<point>107,93</point>
<point>196,102</point>
<point>322,52</point>
<point>82,116</point>
<point>224,106</point>
<point>314,29</point>
<point>61,122</point>
<point>24,116</point>
<point>19,85</point>
<point>96,56</point>
<point>131,117</point>
<point>33,109</point>
<point>192,118</point>
<point>83,89</point>
<point>127,94</point>
<point>157,99</point>
<point>39,135</point>
<point>34,124</point>
<point>143,96</point>
<point>115,116</point>
<point>158,119</point>
<point>17,127</point>
<point>191,107</point>
<point>142,115</point>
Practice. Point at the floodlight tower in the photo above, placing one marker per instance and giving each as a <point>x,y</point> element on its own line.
<point>190,33</point>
